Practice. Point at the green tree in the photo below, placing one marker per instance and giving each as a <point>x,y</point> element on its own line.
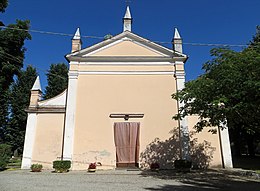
<point>19,101</point>
<point>228,93</point>
<point>57,78</point>
<point>5,155</point>
<point>255,43</point>
<point>3,5</point>
<point>11,61</point>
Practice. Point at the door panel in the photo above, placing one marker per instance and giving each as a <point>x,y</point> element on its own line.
<point>126,136</point>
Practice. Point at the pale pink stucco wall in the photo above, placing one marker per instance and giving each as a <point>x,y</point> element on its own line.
<point>100,95</point>
<point>126,48</point>
<point>48,139</point>
<point>209,141</point>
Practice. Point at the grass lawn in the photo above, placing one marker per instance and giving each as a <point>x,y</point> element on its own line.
<point>247,162</point>
<point>14,163</point>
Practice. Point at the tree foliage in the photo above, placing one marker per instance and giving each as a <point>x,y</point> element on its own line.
<point>3,5</point>
<point>11,61</point>
<point>57,78</point>
<point>5,155</point>
<point>228,92</point>
<point>19,101</point>
<point>12,51</point>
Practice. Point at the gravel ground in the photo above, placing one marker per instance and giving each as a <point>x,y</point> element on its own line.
<point>126,180</point>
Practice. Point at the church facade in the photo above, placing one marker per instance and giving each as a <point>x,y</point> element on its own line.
<point>117,110</point>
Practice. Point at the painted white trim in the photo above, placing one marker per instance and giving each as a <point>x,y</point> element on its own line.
<point>29,140</point>
<point>180,82</point>
<point>70,117</point>
<point>138,59</point>
<point>126,72</point>
<point>104,47</point>
<point>149,48</point>
<point>132,36</point>
<point>127,34</point>
<point>58,100</point>
<point>180,75</point>
<point>183,122</point>
<point>74,63</point>
<point>73,74</point>
<point>124,63</point>
<point>122,40</point>
<point>226,150</point>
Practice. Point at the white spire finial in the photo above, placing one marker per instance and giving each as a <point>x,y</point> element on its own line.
<point>127,20</point>
<point>37,84</point>
<point>177,41</point>
<point>177,34</point>
<point>127,13</point>
<point>77,35</point>
<point>76,42</point>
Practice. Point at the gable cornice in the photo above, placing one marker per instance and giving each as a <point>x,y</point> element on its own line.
<point>126,59</point>
<point>129,36</point>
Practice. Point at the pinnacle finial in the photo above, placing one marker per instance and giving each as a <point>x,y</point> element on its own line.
<point>77,35</point>
<point>76,42</point>
<point>37,84</point>
<point>127,20</point>
<point>127,13</point>
<point>177,41</point>
<point>177,34</point>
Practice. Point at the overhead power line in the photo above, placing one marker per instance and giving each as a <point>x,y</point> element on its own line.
<point>17,59</point>
<point>98,37</point>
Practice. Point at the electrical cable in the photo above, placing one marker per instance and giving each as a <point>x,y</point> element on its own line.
<point>13,58</point>
<point>98,37</point>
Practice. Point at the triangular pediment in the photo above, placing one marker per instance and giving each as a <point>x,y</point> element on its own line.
<point>125,44</point>
<point>126,47</point>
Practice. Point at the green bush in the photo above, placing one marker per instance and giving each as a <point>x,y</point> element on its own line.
<point>5,155</point>
<point>182,165</point>
<point>36,167</point>
<point>61,165</point>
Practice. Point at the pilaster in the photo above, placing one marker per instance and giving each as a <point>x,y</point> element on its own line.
<point>29,140</point>
<point>184,130</point>
<point>225,147</point>
<point>70,115</point>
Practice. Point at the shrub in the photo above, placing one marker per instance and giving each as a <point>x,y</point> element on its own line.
<point>5,155</point>
<point>61,165</point>
<point>36,167</point>
<point>155,166</point>
<point>182,165</point>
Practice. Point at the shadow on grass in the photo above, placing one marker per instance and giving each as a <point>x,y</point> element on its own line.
<point>246,162</point>
<point>205,180</point>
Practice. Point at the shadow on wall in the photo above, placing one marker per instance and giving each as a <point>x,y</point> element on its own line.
<point>167,151</point>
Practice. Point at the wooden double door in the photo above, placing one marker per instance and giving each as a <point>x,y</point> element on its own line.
<point>126,137</point>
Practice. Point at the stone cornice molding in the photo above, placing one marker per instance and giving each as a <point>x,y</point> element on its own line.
<point>50,109</point>
<point>73,74</point>
<point>125,59</point>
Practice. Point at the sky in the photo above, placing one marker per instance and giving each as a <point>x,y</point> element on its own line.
<point>202,21</point>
